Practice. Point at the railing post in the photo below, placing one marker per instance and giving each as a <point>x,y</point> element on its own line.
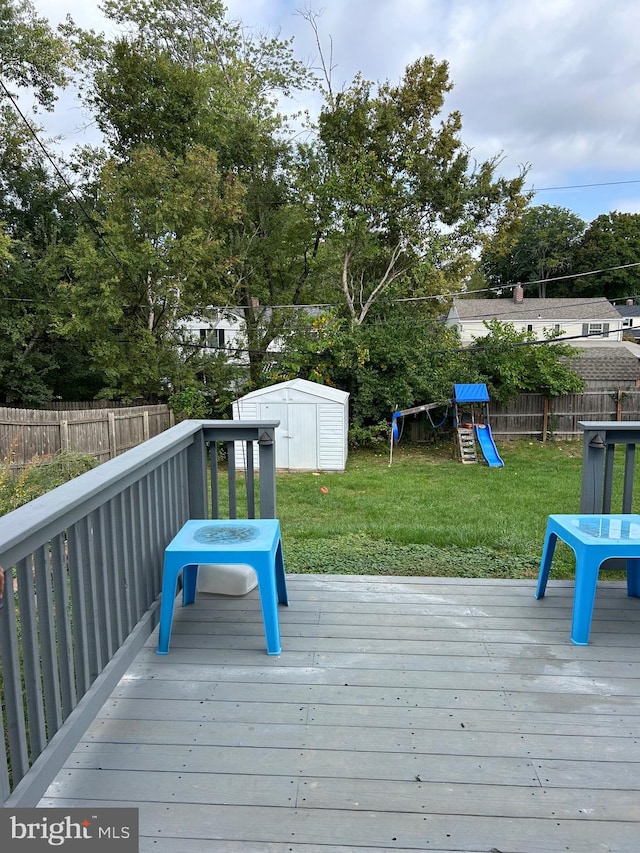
<point>197,477</point>
<point>592,471</point>
<point>599,451</point>
<point>267,460</point>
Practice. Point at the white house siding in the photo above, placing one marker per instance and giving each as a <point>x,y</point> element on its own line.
<point>472,329</point>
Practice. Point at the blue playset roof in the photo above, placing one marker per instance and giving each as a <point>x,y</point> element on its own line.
<point>470,394</point>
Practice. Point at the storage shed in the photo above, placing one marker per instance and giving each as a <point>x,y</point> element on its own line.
<point>314,424</point>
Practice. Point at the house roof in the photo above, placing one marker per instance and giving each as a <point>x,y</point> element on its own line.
<point>506,310</point>
<point>617,363</point>
<point>628,310</point>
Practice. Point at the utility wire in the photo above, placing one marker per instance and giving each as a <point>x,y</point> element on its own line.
<point>584,186</point>
<point>441,297</point>
<point>70,189</point>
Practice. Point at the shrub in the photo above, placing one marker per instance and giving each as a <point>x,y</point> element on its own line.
<point>40,476</point>
<point>369,437</point>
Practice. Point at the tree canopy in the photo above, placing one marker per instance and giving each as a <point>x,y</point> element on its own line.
<point>341,245</point>
<point>611,240</point>
<point>541,246</point>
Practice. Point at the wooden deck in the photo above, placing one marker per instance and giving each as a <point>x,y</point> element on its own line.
<point>403,714</point>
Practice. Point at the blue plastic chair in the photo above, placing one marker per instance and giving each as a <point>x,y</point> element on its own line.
<point>593,539</point>
<point>253,542</point>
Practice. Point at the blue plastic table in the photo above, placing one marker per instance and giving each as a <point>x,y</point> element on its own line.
<point>254,542</point>
<point>594,539</point>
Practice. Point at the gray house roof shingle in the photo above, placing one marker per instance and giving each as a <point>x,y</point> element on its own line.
<point>506,310</point>
<point>613,365</point>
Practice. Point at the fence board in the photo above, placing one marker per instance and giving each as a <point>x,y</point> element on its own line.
<point>524,416</point>
<point>101,432</point>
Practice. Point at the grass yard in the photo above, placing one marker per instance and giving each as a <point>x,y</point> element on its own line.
<point>428,514</point>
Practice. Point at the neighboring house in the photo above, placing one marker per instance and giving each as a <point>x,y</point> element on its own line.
<point>630,313</point>
<point>575,317</point>
<point>222,330</point>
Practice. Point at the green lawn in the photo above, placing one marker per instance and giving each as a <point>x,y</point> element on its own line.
<point>427,514</point>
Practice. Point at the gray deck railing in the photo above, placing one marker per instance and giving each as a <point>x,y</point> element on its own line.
<point>86,561</point>
<point>601,438</point>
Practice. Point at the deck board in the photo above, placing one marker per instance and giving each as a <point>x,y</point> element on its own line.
<point>403,714</point>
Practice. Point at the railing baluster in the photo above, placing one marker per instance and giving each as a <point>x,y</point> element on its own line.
<point>607,492</point>
<point>629,470</point>
<point>79,610</point>
<point>105,585</point>
<point>61,597</point>
<point>250,482</point>
<point>213,468</point>
<point>231,467</point>
<point>16,724</point>
<point>47,643</point>
<point>31,658</point>
<point>140,578</point>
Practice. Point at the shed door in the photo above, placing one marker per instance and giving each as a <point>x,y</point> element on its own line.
<point>303,436</point>
<point>279,412</point>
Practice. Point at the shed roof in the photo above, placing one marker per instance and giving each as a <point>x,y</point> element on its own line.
<point>506,310</point>
<point>314,389</point>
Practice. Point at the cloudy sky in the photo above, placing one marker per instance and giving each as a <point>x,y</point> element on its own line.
<point>554,84</point>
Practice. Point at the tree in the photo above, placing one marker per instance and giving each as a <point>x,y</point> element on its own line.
<point>147,266</point>
<point>32,56</point>
<point>611,240</point>
<point>541,247</point>
<point>392,189</point>
<point>511,362</point>
<point>34,213</point>
<point>186,78</point>
<point>401,357</point>
<point>38,218</point>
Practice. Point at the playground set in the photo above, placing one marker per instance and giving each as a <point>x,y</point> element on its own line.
<point>471,424</point>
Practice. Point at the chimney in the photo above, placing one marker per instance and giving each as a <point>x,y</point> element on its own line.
<point>629,301</point>
<point>518,294</point>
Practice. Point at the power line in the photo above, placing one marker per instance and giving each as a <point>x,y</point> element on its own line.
<point>585,186</point>
<point>66,183</point>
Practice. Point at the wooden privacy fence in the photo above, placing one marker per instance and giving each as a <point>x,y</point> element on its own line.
<point>103,433</point>
<point>540,417</point>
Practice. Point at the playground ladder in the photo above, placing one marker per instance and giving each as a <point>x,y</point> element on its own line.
<point>467,442</point>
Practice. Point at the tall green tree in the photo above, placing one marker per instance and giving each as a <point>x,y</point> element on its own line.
<point>157,253</point>
<point>393,191</point>
<point>32,56</point>
<point>185,78</point>
<point>35,216</point>
<point>541,246</point>
<point>611,240</point>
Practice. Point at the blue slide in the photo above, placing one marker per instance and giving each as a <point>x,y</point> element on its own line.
<point>487,446</point>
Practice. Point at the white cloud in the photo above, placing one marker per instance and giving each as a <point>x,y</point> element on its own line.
<point>553,83</point>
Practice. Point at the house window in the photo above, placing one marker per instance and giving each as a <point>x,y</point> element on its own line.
<point>594,329</point>
<point>212,338</point>
<point>556,327</point>
<point>627,322</point>
<point>529,327</point>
